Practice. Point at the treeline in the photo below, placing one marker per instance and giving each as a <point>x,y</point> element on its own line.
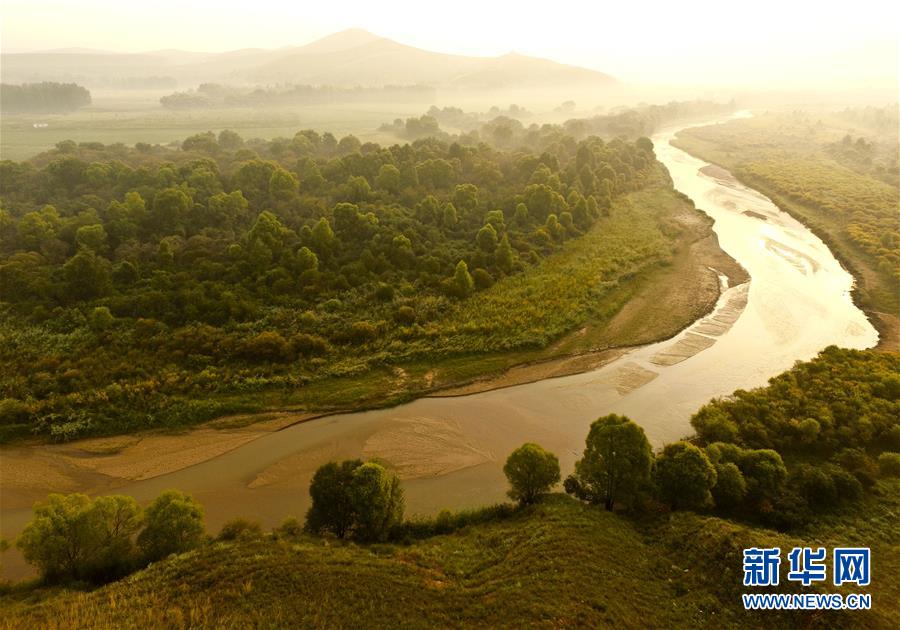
<point>211,95</point>
<point>815,440</point>
<point>504,129</point>
<point>291,255</point>
<point>43,97</point>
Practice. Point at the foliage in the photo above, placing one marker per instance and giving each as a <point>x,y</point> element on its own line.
<point>810,441</point>
<point>74,537</point>
<point>531,472</point>
<point>43,97</point>
<point>684,476</point>
<point>364,501</point>
<point>173,524</point>
<point>228,269</point>
<point>616,462</point>
<point>240,529</point>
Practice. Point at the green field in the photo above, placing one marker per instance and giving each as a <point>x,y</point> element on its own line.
<point>140,119</point>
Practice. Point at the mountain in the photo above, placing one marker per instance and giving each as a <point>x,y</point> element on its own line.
<point>349,58</point>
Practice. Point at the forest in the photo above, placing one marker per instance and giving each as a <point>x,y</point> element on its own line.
<point>148,287</point>
<point>43,97</point>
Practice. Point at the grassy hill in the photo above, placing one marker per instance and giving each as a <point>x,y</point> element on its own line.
<point>560,563</point>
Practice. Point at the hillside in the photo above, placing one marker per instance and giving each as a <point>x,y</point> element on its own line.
<point>560,563</point>
<point>346,59</point>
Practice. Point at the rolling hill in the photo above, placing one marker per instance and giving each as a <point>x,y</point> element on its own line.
<point>349,58</point>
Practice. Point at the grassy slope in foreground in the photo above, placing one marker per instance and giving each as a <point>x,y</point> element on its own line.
<point>560,563</point>
<point>773,155</point>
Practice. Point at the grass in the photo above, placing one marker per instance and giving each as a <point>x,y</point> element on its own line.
<point>793,162</point>
<point>557,564</point>
<point>142,119</point>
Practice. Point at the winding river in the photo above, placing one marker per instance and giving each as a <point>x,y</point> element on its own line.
<point>450,450</point>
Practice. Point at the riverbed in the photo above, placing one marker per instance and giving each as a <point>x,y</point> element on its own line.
<point>449,451</point>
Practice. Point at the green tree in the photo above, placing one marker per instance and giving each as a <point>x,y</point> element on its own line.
<point>504,255</point>
<point>462,282</point>
<point>684,476</point>
<point>332,506</point>
<point>531,471</point>
<point>173,524</point>
<point>616,462</point>
<point>92,237</point>
<point>377,500</point>
<point>76,537</point>
<point>730,488</point>
<point>487,239</point>
<point>389,178</point>
<point>87,276</point>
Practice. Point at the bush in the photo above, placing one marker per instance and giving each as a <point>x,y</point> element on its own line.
<point>889,464</point>
<point>290,529</point>
<point>174,524</point>
<point>240,529</point>
<point>531,471</point>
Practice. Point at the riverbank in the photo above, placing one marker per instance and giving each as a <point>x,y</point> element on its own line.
<point>657,304</point>
<point>873,292</point>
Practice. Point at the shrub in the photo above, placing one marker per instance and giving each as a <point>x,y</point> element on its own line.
<point>174,524</point>
<point>889,464</point>
<point>531,471</point>
<point>240,529</point>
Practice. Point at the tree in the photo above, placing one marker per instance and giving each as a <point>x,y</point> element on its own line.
<point>531,471</point>
<point>332,507</point>
<point>616,461</point>
<point>730,488</point>
<point>170,209</point>
<point>487,239</point>
<point>76,537</point>
<point>174,524</point>
<point>462,283</point>
<point>377,500</point>
<point>684,476</point>
<point>389,178</point>
<point>87,276</point>
<point>92,237</point>
<point>504,255</point>
<point>353,498</point>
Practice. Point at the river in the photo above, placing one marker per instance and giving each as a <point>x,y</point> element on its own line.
<point>450,450</point>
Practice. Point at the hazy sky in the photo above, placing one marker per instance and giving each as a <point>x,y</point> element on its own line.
<point>761,42</point>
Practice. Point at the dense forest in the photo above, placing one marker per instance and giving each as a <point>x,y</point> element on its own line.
<point>210,95</point>
<point>138,282</point>
<point>43,97</point>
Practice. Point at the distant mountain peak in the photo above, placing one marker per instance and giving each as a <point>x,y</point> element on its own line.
<point>342,40</point>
